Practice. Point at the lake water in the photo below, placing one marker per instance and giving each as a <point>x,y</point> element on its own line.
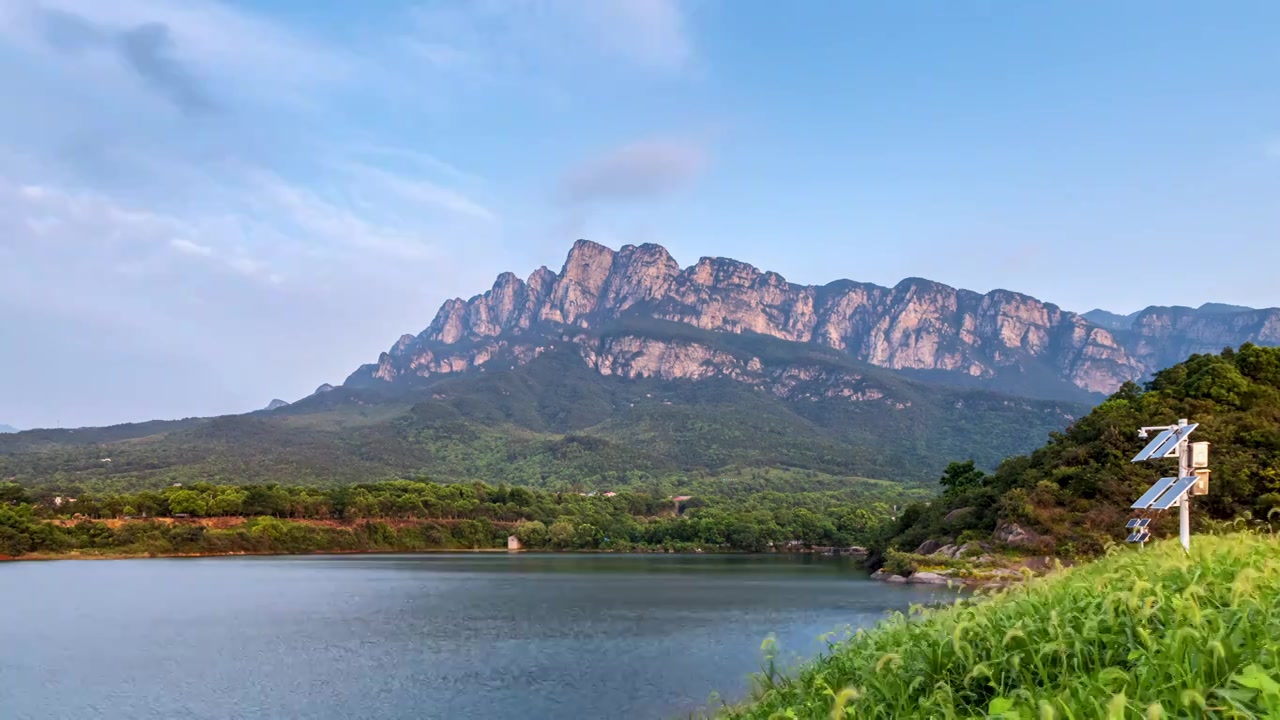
<point>413,636</point>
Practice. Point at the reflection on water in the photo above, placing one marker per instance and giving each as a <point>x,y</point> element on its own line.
<point>412,636</point>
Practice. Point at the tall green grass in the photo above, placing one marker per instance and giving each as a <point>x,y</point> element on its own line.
<point>1137,634</point>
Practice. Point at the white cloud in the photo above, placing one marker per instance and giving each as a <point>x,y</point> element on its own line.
<point>187,247</point>
<point>497,38</point>
<point>637,170</point>
<point>422,191</point>
<point>650,32</point>
<point>231,186</point>
<point>218,38</point>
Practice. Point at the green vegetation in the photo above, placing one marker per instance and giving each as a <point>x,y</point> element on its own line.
<point>1152,634</point>
<point>556,423</point>
<point>1073,494</point>
<point>747,515</point>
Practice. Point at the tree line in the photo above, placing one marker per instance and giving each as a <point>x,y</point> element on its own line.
<point>417,514</point>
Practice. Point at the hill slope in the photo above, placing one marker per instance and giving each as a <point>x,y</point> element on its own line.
<point>1073,494</point>
<point>557,421</point>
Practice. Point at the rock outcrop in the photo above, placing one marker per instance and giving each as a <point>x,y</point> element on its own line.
<point>1003,339</point>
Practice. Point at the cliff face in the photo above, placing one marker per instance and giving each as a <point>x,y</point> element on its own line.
<point>916,325</point>
<point>1163,336</point>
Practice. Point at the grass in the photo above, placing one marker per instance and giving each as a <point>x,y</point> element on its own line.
<point>1137,634</point>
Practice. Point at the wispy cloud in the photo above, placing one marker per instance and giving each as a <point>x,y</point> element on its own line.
<point>188,247</point>
<point>499,39</point>
<point>638,170</point>
<point>219,38</point>
<point>421,191</point>
<point>149,51</point>
<point>650,32</point>
<point>146,49</point>
<point>181,170</point>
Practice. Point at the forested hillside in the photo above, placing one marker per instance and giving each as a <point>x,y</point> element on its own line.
<point>555,422</point>
<point>1073,494</point>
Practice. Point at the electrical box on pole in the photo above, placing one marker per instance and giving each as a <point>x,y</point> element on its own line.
<point>1200,455</point>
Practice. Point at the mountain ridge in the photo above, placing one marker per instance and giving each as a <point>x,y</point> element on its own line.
<point>1002,340</point>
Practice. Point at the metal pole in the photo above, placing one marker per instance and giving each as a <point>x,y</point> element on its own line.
<point>1184,519</point>
<point>1184,508</point>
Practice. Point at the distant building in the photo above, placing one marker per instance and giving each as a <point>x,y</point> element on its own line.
<point>59,500</point>
<point>513,543</point>
<point>611,494</point>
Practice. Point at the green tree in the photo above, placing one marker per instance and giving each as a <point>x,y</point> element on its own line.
<point>587,536</point>
<point>561,534</point>
<point>188,502</point>
<point>962,476</point>
<point>532,533</point>
<point>228,503</point>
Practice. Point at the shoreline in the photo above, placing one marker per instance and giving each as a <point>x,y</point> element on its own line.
<point>77,555</point>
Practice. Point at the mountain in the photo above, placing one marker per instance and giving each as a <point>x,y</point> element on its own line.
<point>1002,340</point>
<point>8,429</point>
<point>275,404</point>
<point>1110,320</point>
<point>556,421</point>
<point>1115,321</point>
<point>625,368</point>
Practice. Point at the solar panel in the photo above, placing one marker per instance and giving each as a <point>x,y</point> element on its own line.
<point>1144,536</point>
<point>1144,522</point>
<point>1174,493</point>
<point>1151,446</point>
<point>1133,537</point>
<point>1166,449</point>
<point>1152,493</point>
<point>1138,523</point>
<point>1132,523</point>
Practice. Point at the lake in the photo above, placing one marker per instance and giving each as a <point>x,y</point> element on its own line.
<point>526,636</point>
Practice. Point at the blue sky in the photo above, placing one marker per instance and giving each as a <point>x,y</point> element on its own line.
<point>204,205</point>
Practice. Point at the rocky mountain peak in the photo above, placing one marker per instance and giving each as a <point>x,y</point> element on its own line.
<point>1003,338</point>
<point>276,404</point>
<point>578,286</point>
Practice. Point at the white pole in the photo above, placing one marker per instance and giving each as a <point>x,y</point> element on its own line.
<point>1184,520</point>
<point>1184,508</point>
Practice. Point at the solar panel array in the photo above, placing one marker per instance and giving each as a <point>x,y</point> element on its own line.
<point>1138,523</point>
<point>1150,449</point>
<point>1174,493</point>
<point>1166,443</point>
<point>1140,536</point>
<point>1154,492</point>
